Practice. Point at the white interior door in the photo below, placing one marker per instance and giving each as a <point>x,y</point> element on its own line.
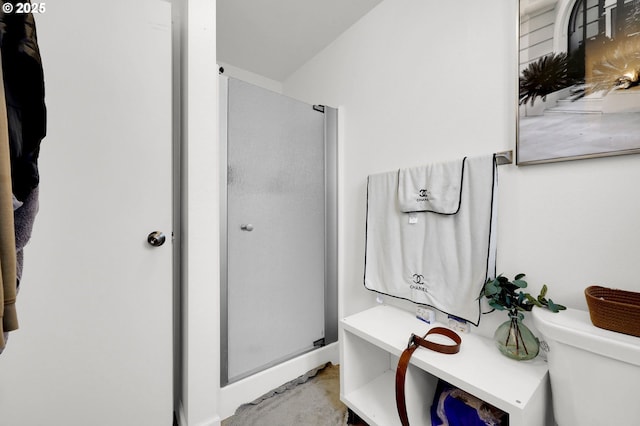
<point>95,306</point>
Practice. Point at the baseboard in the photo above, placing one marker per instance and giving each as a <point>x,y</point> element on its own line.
<point>182,419</point>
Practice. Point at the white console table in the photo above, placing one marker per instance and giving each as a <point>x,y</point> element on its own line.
<point>372,341</point>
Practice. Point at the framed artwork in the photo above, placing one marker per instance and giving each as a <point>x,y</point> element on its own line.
<point>579,91</point>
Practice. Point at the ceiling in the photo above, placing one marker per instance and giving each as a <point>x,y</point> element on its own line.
<point>274,38</point>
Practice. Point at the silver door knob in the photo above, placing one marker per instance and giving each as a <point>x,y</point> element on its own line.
<point>156,238</point>
<point>246,227</point>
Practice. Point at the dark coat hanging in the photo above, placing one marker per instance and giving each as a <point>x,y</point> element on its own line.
<point>24,92</point>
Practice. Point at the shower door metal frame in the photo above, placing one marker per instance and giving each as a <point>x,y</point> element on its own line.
<point>331,229</point>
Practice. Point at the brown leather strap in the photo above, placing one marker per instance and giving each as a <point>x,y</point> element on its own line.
<point>403,362</point>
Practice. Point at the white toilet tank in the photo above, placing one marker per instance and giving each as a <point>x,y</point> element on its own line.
<point>595,373</point>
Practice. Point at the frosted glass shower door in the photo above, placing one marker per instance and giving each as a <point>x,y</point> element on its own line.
<point>275,229</point>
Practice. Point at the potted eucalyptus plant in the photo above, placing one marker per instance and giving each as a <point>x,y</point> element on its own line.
<point>513,338</point>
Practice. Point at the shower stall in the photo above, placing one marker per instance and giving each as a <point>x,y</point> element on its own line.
<point>279,228</point>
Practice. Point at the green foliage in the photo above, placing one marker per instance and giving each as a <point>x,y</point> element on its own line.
<point>546,75</point>
<point>505,295</point>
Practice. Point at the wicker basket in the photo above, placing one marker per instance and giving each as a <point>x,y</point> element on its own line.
<point>615,310</point>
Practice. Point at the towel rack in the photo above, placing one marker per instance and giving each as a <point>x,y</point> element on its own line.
<point>504,157</point>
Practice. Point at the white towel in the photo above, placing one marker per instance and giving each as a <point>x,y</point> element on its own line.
<point>439,260</point>
<point>433,188</point>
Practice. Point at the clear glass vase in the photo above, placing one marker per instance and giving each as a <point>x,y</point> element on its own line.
<point>515,340</point>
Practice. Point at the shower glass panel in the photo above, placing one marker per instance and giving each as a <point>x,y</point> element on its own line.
<point>278,290</point>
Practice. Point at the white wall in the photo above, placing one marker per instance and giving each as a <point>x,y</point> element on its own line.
<point>425,80</point>
<point>200,215</point>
